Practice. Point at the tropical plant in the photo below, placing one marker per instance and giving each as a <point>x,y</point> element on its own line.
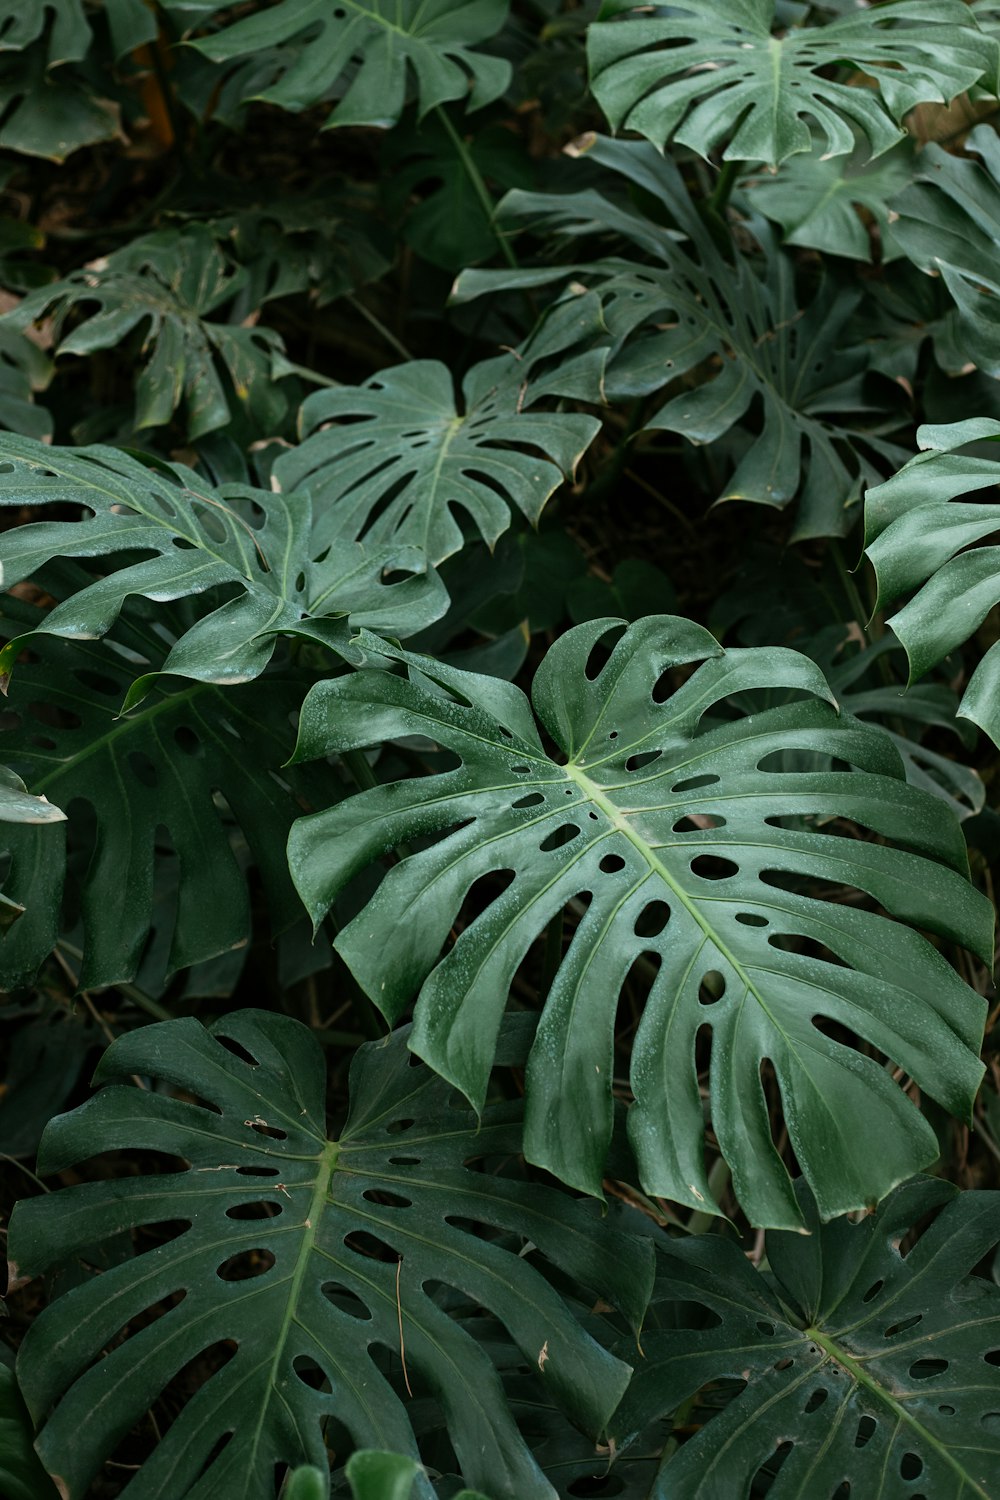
<point>533,923</point>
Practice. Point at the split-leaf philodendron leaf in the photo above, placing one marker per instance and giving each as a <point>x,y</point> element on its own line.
<point>378,47</point>
<point>710,73</point>
<point>922,537</point>
<point>673,841</point>
<point>258,545</point>
<point>866,1363</point>
<point>732,338</point>
<point>300,1261</point>
<point>410,461</point>
<point>148,782</point>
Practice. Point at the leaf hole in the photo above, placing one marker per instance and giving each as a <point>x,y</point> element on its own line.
<point>245,1265</point>
<point>369,1246</point>
<point>257,1171</point>
<point>873,1291</point>
<point>815,1400</point>
<point>309,1372</point>
<point>238,1050</point>
<point>713,867</point>
<point>272,1131</point>
<point>611,864</point>
<point>404,1161</point>
<point>187,741</point>
<point>386,1199</point>
<point>533,799</point>
<point>394,1127</point>
<point>903,1325</point>
<point>644,758</point>
<point>262,1209</point>
<point>751,919</point>
<point>692,783</point>
<point>767,1329</point>
<point>865,1432</point>
<point>346,1301</point>
<point>712,988</point>
<point>652,919</point>
<point>911,1466</point>
<point>946,1410</point>
<point>563,835</point>
<point>991,1420</point>
<point>992,1357</point>
<point>926,1369</point>
<point>784,1364</point>
<point>768,1470</point>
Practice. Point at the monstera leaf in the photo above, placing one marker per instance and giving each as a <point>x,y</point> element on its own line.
<point>150,783</point>
<point>861,1366</point>
<point>710,72</point>
<point>259,546</point>
<point>921,534</point>
<point>296,1259</point>
<point>816,200</point>
<point>367,52</point>
<point>685,308</point>
<point>393,459</point>
<point>171,284</point>
<point>681,843</point>
<point>949,223</point>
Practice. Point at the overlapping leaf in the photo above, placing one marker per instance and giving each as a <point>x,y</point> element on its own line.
<point>260,547</point>
<point>949,223</point>
<point>368,53</point>
<point>862,1365</point>
<point>171,285</point>
<point>922,532</point>
<point>816,200</point>
<point>675,843</point>
<point>396,461</point>
<point>137,791</point>
<point>685,309</point>
<point>21,1475</point>
<point>709,73</point>
<point>297,1254</point>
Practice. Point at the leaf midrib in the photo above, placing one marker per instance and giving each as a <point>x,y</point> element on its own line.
<point>848,1362</point>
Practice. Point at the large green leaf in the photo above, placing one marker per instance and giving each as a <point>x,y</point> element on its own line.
<point>921,533</point>
<point>733,333</point>
<point>816,199</point>
<point>710,72</point>
<point>862,1365</point>
<point>281,574</point>
<point>298,1259</point>
<point>393,460</point>
<point>679,842</point>
<point>141,792</point>
<point>949,224</point>
<point>175,285</point>
<point>364,53</point>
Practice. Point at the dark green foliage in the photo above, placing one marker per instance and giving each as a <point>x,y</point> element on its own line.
<point>532,922</point>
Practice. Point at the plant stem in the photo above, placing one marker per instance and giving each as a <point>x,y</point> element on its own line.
<point>379,326</point>
<point>479,187</point>
<point>723,190</point>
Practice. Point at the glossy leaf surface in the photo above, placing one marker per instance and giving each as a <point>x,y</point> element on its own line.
<point>369,53</point>
<point>333,1267</point>
<point>260,547</point>
<point>711,73</point>
<point>926,536</point>
<point>863,1360</point>
<point>671,841</point>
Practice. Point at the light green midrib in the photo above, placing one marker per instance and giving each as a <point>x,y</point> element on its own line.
<point>847,1362</point>
<point>326,1167</point>
<point>619,821</point>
